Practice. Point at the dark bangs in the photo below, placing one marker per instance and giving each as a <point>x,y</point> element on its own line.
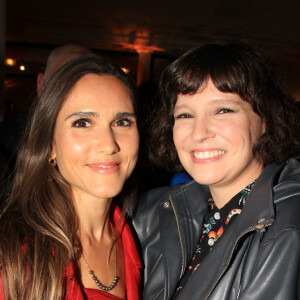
<point>231,67</point>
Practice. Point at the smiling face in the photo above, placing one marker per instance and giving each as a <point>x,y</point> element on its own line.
<point>96,138</point>
<point>214,134</point>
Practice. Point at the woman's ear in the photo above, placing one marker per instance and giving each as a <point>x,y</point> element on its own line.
<point>53,150</point>
<point>52,158</point>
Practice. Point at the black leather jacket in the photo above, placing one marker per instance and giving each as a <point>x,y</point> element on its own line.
<point>258,257</point>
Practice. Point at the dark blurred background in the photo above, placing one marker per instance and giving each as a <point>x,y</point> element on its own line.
<point>143,36</point>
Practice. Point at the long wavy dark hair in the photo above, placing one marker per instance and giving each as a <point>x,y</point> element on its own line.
<point>38,225</point>
<point>233,68</point>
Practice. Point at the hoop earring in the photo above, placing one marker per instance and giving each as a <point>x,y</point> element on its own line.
<point>52,162</point>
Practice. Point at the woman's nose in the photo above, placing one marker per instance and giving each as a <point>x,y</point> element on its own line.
<point>202,130</point>
<point>106,142</point>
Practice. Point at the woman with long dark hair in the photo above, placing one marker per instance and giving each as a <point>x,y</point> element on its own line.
<point>233,232</point>
<point>62,236</point>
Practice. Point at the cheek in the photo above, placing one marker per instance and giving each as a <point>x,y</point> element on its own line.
<point>69,148</point>
<point>128,143</point>
<point>252,132</point>
<point>131,144</point>
<point>235,133</point>
<point>257,129</point>
<point>231,132</point>
<point>242,137</point>
<point>180,133</point>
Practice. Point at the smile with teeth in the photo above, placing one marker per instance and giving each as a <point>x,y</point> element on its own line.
<point>208,154</point>
<point>104,167</point>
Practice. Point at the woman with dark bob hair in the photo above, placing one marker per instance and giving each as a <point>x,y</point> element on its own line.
<point>62,236</point>
<point>234,231</point>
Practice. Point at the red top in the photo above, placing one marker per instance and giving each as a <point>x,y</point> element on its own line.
<point>132,269</point>
<point>94,294</point>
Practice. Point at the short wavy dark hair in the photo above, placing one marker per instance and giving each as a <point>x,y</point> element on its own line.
<point>233,68</point>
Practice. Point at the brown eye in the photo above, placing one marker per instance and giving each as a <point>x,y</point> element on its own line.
<point>81,123</point>
<point>225,111</point>
<point>123,122</point>
<point>183,116</point>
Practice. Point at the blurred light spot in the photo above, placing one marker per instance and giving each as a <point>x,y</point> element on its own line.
<point>125,70</point>
<point>10,62</point>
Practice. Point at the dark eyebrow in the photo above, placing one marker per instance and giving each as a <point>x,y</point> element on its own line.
<point>227,101</point>
<point>87,114</point>
<point>90,114</point>
<point>125,114</point>
<point>215,101</point>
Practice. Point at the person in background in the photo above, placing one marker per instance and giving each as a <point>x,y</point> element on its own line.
<point>57,57</point>
<point>62,236</point>
<point>234,231</point>
<point>11,130</point>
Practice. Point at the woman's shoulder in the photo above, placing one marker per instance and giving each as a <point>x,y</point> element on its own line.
<point>288,184</point>
<point>185,199</point>
<point>155,198</point>
<point>148,205</point>
<point>291,171</point>
<point>145,215</point>
<point>286,197</point>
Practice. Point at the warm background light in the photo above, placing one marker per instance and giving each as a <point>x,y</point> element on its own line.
<point>10,62</point>
<point>125,70</point>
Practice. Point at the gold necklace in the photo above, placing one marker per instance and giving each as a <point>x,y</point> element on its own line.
<point>95,278</point>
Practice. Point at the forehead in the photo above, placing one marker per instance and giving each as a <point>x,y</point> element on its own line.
<point>98,92</point>
<point>209,94</point>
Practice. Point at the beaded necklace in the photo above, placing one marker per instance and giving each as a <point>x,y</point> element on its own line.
<point>95,278</point>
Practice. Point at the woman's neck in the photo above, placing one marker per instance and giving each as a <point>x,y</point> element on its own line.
<point>222,194</point>
<point>94,218</point>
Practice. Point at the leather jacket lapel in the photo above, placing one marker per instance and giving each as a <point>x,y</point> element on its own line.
<point>181,230</point>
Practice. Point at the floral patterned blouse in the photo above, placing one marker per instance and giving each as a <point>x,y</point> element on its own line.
<point>216,222</point>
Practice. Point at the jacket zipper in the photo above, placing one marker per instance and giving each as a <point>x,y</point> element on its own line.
<point>180,237</point>
<point>251,229</point>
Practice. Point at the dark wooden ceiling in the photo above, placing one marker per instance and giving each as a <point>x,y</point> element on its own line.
<point>164,27</point>
<point>159,25</point>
